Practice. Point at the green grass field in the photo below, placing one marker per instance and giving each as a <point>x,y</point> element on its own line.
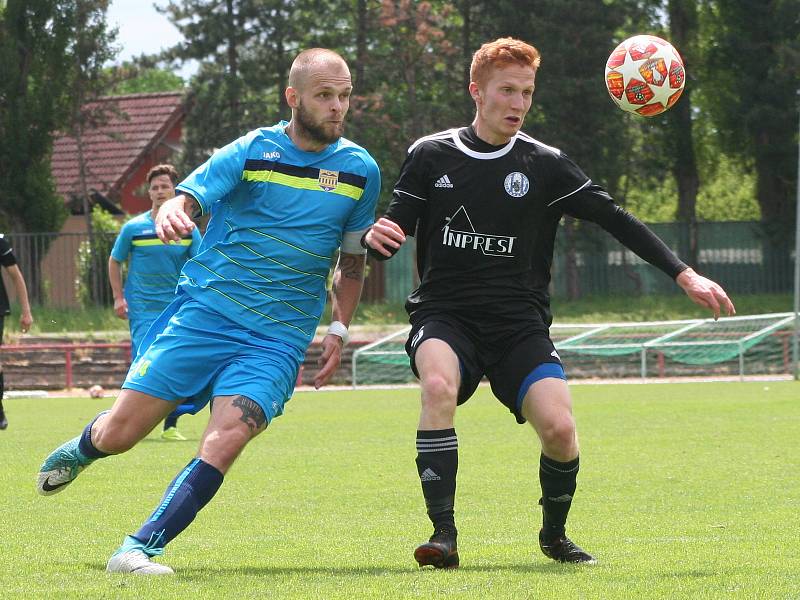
<point>685,491</point>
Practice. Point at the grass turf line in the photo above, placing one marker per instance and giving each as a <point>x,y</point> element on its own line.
<point>685,491</point>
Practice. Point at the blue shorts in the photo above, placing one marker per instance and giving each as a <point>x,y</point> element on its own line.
<point>192,352</point>
<point>139,328</point>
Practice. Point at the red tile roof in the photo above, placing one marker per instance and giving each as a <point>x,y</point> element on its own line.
<point>136,123</point>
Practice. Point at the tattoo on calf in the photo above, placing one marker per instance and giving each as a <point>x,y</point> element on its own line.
<point>252,414</point>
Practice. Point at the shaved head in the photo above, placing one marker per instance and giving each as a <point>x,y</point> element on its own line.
<point>311,61</point>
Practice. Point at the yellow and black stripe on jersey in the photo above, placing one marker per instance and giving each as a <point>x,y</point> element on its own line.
<point>151,239</point>
<point>305,178</point>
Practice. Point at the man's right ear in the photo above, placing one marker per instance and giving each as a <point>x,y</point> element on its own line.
<point>474,91</point>
<point>291,97</point>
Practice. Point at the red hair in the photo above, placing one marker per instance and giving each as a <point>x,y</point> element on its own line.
<point>501,53</point>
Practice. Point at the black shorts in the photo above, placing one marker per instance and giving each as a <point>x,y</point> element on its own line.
<point>506,355</point>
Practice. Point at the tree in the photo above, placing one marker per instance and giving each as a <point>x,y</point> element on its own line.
<point>143,79</point>
<point>752,72</point>
<point>244,48</point>
<point>683,26</point>
<point>35,63</point>
<point>51,52</point>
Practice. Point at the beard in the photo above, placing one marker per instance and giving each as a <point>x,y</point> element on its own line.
<point>323,133</point>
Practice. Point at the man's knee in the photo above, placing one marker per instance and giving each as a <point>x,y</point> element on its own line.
<point>439,391</point>
<point>221,447</point>
<point>559,433</point>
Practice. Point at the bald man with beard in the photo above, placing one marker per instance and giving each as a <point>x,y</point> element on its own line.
<point>283,200</point>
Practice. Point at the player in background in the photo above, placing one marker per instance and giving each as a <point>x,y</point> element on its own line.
<point>153,270</point>
<point>284,199</point>
<point>9,263</point>
<point>484,203</point>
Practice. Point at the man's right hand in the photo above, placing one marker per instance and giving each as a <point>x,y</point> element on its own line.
<point>385,237</point>
<point>172,222</point>
<point>121,308</point>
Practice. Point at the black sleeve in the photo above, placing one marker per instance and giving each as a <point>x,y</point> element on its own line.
<point>592,203</point>
<point>7,258</point>
<point>409,197</point>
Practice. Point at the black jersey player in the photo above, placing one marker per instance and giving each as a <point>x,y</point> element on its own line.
<point>484,203</point>
<point>9,262</point>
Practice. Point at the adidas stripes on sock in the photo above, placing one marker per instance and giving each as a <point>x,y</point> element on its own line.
<point>558,480</point>
<point>189,492</point>
<point>437,465</point>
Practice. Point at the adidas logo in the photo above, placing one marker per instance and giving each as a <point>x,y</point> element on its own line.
<point>554,354</point>
<point>428,474</point>
<point>562,498</point>
<point>443,182</point>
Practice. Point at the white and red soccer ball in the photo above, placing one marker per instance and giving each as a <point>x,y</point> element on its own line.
<point>96,391</point>
<point>645,75</point>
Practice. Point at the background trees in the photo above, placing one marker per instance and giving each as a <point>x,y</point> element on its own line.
<point>727,150</point>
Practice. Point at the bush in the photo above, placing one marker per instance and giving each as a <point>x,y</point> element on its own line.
<point>92,287</point>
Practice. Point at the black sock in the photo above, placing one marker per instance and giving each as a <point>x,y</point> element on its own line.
<point>86,446</point>
<point>558,480</point>
<point>2,391</point>
<point>170,421</point>
<point>437,465</point>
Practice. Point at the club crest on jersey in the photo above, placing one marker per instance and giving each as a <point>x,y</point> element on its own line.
<point>328,180</point>
<point>516,184</point>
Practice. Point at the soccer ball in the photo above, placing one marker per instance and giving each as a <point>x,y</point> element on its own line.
<point>96,391</point>
<point>645,75</point>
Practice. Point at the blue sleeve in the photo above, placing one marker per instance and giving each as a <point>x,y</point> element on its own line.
<point>196,239</point>
<point>122,245</point>
<point>363,214</point>
<point>219,175</point>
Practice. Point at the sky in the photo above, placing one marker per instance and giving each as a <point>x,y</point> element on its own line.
<point>142,30</point>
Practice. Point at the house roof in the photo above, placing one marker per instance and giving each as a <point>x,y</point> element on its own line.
<point>134,125</point>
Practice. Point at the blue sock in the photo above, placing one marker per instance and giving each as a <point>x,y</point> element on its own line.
<point>171,420</point>
<point>85,445</point>
<point>190,491</point>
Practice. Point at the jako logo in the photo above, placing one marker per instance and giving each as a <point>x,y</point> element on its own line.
<point>274,155</point>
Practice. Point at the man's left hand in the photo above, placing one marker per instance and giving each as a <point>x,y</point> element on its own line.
<point>329,359</point>
<point>705,292</point>
<point>25,322</point>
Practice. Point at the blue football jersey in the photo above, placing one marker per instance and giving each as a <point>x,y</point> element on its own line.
<point>278,217</point>
<point>153,268</point>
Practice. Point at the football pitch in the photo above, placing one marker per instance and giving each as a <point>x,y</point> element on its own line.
<point>685,491</point>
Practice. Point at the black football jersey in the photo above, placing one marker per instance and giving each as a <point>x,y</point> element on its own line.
<point>7,259</point>
<point>485,218</point>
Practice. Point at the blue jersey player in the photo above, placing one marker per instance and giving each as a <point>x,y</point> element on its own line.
<point>284,199</point>
<point>153,270</point>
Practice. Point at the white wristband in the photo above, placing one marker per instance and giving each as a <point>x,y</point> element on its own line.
<point>340,329</point>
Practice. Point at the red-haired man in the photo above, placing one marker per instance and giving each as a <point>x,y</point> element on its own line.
<point>484,203</point>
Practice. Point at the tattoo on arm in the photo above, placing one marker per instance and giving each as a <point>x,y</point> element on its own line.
<point>252,414</point>
<point>351,266</point>
<point>194,208</point>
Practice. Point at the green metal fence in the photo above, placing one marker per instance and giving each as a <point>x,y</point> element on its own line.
<point>746,257</point>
